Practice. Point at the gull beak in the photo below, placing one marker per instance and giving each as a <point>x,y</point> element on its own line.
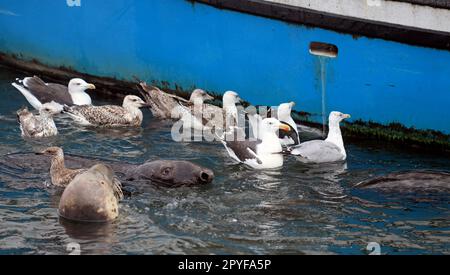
<point>90,86</point>
<point>346,116</point>
<point>41,152</point>
<point>285,127</point>
<point>292,104</point>
<point>209,97</point>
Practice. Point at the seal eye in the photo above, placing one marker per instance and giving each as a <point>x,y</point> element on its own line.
<point>166,171</point>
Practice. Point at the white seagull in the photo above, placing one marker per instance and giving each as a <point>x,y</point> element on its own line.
<point>264,153</point>
<point>284,116</point>
<point>37,92</point>
<point>287,138</point>
<point>230,99</point>
<point>322,151</point>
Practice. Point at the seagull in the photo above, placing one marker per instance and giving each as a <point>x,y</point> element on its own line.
<point>162,104</point>
<point>322,151</point>
<point>42,125</point>
<point>287,138</point>
<point>195,112</point>
<point>37,92</point>
<point>284,115</point>
<point>264,153</point>
<point>202,116</point>
<point>230,99</point>
<point>128,114</point>
<point>62,176</point>
<point>167,106</point>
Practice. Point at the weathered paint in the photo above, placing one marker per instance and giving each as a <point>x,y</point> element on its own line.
<point>266,61</point>
<point>341,21</point>
<point>393,12</point>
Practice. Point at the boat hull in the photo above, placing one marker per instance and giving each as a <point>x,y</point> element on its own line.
<point>185,45</point>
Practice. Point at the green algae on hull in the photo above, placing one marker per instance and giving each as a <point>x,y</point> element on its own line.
<point>399,134</point>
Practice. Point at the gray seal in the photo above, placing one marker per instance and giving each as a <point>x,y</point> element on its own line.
<point>165,173</point>
<point>92,196</point>
<point>410,182</point>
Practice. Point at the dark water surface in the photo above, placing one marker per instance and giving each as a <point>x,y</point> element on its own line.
<point>295,210</point>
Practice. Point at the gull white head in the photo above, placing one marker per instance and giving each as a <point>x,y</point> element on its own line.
<point>77,89</point>
<point>271,126</point>
<point>78,85</point>
<point>230,98</point>
<point>199,96</point>
<point>133,102</point>
<point>284,111</point>
<point>337,117</point>
<point>50,109</point>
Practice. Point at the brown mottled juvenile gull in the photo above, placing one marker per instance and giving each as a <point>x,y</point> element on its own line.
<point>38,126</point>
<point>322,151</point>
<point>128,114</point>
<point>161,103</point>
<point>37,92</point>
<point>194,112</point>
<point>206,116</point>
<point>62,176</point>
<point>166,106</point>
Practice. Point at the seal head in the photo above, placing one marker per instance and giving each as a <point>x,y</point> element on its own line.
<point>92,196</point>
<point>171,173</point>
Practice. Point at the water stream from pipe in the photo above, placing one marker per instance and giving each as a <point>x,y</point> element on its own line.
<point>323,76</point>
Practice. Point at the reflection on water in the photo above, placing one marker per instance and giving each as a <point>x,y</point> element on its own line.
<point>299,209</point>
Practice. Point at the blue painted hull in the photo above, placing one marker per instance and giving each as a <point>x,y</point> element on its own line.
<point>267,61</point>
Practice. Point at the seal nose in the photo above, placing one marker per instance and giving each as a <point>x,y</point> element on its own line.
<point>206,176</point>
